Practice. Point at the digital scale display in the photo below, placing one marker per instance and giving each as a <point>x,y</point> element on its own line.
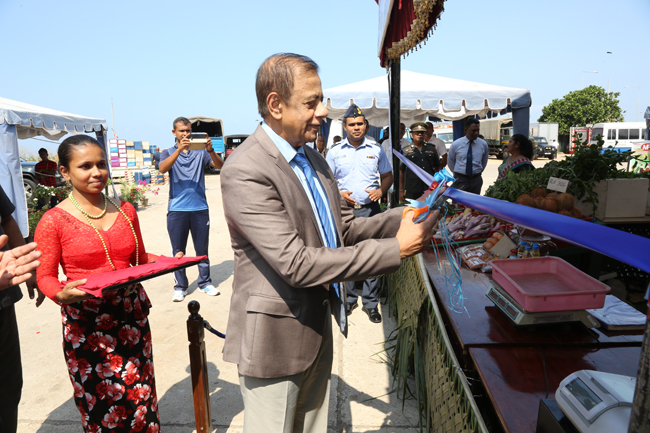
<point>583,394</point>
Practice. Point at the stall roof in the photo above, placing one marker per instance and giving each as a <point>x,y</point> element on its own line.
<point>31,120</point>
<point>424,95</point>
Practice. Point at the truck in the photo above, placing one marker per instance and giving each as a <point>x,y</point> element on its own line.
<point>548,130</point>
<point>497,133</point>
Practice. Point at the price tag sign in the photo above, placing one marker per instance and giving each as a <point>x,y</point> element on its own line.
<point>557,184</point>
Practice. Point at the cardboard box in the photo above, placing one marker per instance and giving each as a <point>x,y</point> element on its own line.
<point>618,198</point>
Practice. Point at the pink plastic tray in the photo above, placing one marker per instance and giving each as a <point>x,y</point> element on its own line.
<point>548,284</point>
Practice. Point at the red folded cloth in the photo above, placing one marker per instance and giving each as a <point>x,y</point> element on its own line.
<point>125,277</point>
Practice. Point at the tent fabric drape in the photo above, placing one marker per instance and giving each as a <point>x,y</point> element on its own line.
<point>31,120</point>
<point>410,22</point>
<point>425,95</point>
<point>11,177</point>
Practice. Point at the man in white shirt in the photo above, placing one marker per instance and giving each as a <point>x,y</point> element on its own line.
<point>440,145</point>
<point>468,157</point>
<point>388,147</point>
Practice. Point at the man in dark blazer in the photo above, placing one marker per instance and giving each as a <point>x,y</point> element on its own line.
<point>294,239</point>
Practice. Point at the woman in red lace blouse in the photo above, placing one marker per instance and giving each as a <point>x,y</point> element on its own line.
<point>106,341</point>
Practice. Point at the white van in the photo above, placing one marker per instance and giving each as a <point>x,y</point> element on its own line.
<point>622,135</point>
<point>446,135</point>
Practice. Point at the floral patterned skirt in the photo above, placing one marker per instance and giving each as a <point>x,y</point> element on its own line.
<point>107,346</point>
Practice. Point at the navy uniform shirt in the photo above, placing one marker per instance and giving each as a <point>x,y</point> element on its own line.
<point>359,169</point>
<point>427,159</point>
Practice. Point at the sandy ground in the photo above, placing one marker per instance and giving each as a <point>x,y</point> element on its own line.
<point>361,398</point>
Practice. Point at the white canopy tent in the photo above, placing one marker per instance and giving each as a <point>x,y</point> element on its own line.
<point>20,120</point>
<point>425,95</point>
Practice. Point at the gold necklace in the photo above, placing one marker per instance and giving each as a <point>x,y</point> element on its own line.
<point>85,214</point>
<point>83,211</point>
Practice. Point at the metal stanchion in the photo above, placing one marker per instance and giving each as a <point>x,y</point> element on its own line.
<point>199,369</point>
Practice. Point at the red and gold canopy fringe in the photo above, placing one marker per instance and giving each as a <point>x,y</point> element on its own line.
<point>411,24</point>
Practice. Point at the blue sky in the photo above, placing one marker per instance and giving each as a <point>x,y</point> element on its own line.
<point>161,59</point>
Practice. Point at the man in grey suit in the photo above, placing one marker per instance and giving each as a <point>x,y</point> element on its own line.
<point>294,239</point>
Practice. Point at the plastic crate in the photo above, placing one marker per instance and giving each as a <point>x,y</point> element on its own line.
<point>548,284</point>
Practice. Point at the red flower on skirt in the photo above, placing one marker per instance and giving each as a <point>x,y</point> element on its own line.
<point>105,322</point>
<point>114,417</point>
<point>146,351</point>
<point>130,336</point>
<point>110,367</point>
<point>100,342</point>
<point>73,333</point>
<point>139,394</point>
<point>84,369</point>
<point>131,373</point>
<point>91,400</point>
<point>139,421</point>
<point>110,391</point>
<point>148,371</point>
<point>153,428</point>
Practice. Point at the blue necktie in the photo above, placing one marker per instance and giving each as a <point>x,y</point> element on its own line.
<point>321,205</point>
<point>468,167</point>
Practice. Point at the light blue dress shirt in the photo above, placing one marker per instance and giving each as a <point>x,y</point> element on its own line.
<point>358,169</point>
<point>457,156</point>
<point>289,152</point>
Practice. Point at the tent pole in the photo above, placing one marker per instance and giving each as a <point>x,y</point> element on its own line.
<point>394,95</point>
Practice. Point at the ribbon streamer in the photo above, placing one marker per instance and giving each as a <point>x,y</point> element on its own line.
<point>626,247</point>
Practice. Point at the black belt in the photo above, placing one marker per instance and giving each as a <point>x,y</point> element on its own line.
<point>473,176</point>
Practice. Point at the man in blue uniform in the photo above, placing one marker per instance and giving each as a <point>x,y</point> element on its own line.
<point>188,208</point>
<point>364,175</point>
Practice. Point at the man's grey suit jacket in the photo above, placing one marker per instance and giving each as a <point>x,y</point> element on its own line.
<point>283,272</point>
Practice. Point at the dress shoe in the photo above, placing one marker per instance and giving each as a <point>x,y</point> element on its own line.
<point>349,307</point>
<point>373,314</point>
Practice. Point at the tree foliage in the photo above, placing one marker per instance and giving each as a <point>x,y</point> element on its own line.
<point>582,107</point>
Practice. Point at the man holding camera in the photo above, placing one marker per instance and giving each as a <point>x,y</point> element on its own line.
<point>188,208</point>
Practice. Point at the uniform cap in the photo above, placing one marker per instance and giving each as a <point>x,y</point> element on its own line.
<point>353,111</point>
<point>419,126</point>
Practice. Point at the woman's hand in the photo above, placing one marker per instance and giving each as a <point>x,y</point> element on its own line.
<point>69,294</point>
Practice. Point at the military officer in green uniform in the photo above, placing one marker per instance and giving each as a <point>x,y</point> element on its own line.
<point>425,156</point>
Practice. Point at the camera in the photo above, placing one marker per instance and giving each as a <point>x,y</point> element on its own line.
<point>198,140</point>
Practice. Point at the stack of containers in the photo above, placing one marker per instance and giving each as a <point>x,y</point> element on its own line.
<point>139,160</point>
<point>121,149</point>
<point>130,154</point>
<point>146,152</point>
<point>114,154</point>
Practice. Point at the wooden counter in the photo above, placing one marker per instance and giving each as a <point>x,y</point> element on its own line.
<point>512,362</point>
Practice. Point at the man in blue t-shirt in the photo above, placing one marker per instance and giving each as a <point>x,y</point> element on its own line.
<point>188,208</point>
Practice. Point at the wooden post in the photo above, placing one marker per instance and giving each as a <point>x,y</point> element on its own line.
<point>639,420</point>
<point>199,369</point>
<point>394,121</point>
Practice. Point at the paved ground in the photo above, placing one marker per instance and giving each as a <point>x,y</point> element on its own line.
<point>361,398</point>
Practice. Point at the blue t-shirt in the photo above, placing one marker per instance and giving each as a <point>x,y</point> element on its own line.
<point>186,180</point>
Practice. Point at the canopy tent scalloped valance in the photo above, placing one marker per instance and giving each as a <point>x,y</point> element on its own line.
<point>31,120</point>
<point>424,95</point>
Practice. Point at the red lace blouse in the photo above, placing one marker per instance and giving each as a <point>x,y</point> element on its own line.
<point>64,239</point>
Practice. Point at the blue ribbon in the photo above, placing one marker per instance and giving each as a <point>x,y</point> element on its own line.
<point>626,247</point>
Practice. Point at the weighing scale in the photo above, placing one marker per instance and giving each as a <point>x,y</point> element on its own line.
<point>597,402</point>
<point>520,317</point>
